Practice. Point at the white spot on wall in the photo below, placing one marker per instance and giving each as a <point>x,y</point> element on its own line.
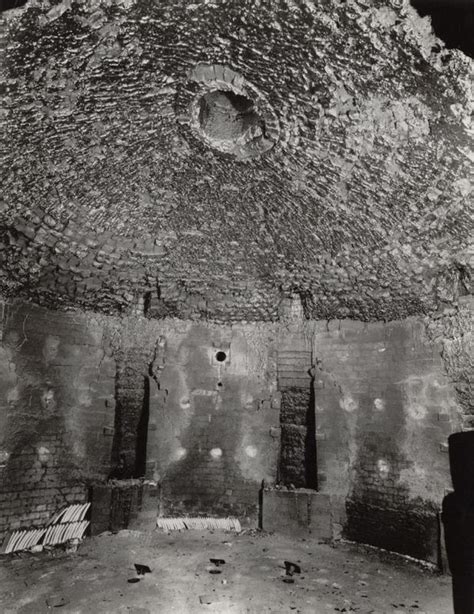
<point>383,468</point>
<point>247,400</point>
<point>4,456</point>
<point>84,397</point>
<point>347,403</point>
<point>179,453</point>
<point>416,411</point>
<point>216,453</point>
<point>251,451</point>
<point>185,403</point>
<point>379,404</point>
<point>203,393</point>
<point>43,453</point>
<point>79,448</point>
<point>13,395</point>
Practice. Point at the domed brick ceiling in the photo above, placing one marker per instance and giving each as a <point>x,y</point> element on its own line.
<point>205,159</point>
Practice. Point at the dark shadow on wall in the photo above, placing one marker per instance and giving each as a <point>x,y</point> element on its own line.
<point>380,510</point>
<point>142,432</point>
<point>132,392</point>
<point>311,464</point>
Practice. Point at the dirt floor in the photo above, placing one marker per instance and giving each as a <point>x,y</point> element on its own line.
<point>101,577</point>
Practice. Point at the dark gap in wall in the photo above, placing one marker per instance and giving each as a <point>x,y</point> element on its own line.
<point>260,506</point>
<point>464,275</point>
<point>306,303</point>
<point>452,21</point>
<point>131,419</point>
<point>117,461</point>
<point>311,467</point>
<point>142,432</point>
<point>146,303</point>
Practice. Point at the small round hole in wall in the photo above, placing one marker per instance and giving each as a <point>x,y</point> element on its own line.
<point>229,114</point>
<point>219,384</point>
<point>221,356</point>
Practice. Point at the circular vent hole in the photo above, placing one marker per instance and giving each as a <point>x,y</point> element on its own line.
<point>225,116</point>
<point>221,356</point>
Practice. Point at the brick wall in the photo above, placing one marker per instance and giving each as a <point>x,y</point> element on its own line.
<point>385,402</point>
<point>384,410</point>
<point>210,440</point>
<point>56,401</point>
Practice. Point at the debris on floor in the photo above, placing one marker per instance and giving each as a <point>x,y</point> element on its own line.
<point>206,599</point>
<point>142,569</point>
<point>56,601</point>
<point>291,568</point>
<point>253,579</point>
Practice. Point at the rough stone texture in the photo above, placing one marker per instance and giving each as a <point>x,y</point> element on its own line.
<point>110,197</point>
<point>454,332</point>
<point>56,404</point>
<point>384,409</point>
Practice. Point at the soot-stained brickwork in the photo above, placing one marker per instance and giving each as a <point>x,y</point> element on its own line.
<point>110,193</point>
<point>385,406</point>
<point>56,411</point>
